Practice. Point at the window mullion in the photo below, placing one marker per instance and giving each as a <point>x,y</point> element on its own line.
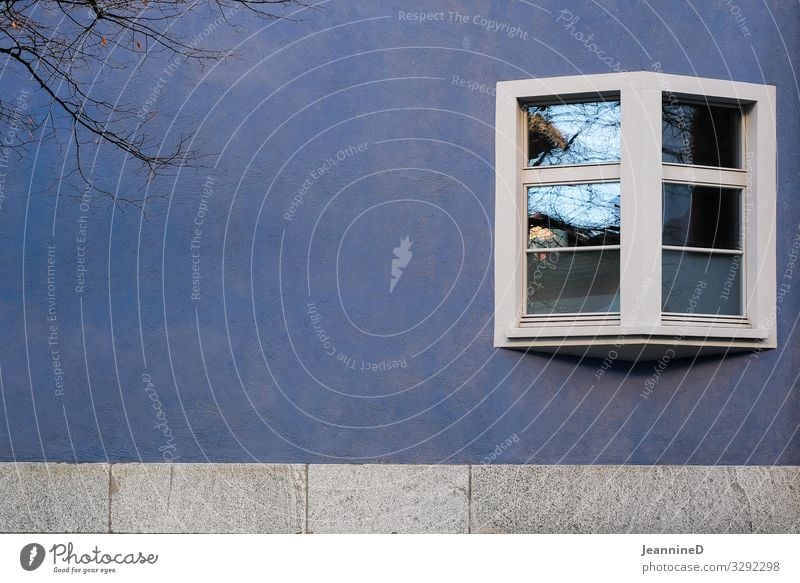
<point>640,188</point>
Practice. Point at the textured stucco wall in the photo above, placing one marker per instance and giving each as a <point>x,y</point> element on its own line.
<point>240,374</point>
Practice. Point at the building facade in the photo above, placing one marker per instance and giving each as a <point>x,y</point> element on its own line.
<point>319,292</point>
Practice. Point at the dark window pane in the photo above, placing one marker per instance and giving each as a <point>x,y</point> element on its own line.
<point>573,133</point>
<point>701,216</point>
<point>702,135</point>
<point>573,281</point>
<point>701,283</point>
<point>577,215</point>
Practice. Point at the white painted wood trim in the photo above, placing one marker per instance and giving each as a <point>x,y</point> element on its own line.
<point>698,330</point>
<point>576,174</point>
<point>508,261</point>
<point>640,232</point>
<point>706,176</point>
<point>572,249</point>
<point>706,250</point>
<point>760,262</point>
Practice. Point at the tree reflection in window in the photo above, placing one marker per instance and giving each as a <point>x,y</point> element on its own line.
<point>701,134</point>
<point>573,133</point>
<point>578,215</point>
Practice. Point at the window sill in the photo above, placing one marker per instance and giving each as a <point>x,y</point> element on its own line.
<point>628,343</point>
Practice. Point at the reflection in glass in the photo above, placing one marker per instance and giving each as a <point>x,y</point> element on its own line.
<point>573,133</point>
<point>578,215</point>
<point>573,281</point>
<point>702,135</point>
<point>701,283</point>
<point>701,216</point>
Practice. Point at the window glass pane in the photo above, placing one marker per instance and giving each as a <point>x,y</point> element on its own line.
<point>573,133</point>
<point>573,281</point>
<point>701,283</point>
<point>702,135</point>
<point>701,216</point>
<point>577,215</point>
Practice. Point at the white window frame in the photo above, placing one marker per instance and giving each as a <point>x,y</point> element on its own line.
<point>639,330</point>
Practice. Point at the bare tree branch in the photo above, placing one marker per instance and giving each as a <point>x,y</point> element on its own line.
<point>60,45</point>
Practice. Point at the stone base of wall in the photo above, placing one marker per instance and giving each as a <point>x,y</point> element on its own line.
<point>282,498</point>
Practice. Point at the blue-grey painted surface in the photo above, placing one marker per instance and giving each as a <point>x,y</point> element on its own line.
<point>363,112</point>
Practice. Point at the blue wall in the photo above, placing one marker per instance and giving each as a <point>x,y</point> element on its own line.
<point>363,111</point>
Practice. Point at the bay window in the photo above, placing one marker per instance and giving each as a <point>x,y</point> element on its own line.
<point>635,210</point>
